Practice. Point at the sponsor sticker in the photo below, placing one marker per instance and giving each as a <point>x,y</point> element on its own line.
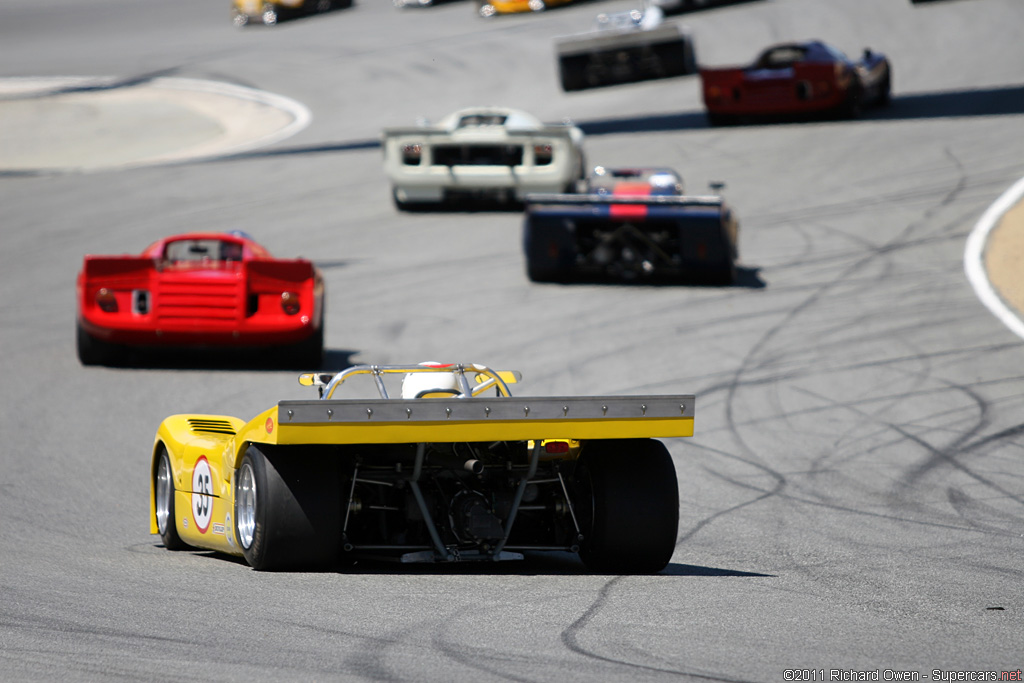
<point>202,494</point>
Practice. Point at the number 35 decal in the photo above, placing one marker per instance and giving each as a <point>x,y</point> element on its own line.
<point>202,494</point>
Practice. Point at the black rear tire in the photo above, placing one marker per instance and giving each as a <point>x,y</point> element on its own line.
<point>287,509</point>
<point>628,500</point>
<point>716,120</point>
<point>307,354</point>
<point>93,351</point>
<point>885,90</point>
<point>163,488</point>
<point>572,72</point>
<point>536,274</point>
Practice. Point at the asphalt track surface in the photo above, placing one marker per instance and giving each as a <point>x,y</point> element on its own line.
<point>853,498</point>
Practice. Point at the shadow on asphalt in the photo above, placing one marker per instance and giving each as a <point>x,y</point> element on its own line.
<point>535,564</point>
<point>226,359</point>
<point>997,101</point>
<point>994,101</point>
<point>746,278</point>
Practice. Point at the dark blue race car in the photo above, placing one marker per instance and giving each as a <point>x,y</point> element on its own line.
<point>630,225</point>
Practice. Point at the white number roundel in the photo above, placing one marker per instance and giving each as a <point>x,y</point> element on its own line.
<point>202,494</point>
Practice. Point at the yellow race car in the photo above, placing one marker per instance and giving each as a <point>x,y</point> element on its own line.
<point>441,474</point>
<point>269,12</point>
<point>488,8</point>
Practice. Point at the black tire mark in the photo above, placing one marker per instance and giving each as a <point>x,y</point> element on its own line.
<point>570,638</point>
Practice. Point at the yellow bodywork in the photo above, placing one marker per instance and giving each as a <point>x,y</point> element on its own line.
<point>517,6</point>
<point>254,7</point>
<point>222,442</point>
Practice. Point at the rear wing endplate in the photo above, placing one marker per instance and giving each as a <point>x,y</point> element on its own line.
<point>650,200</point>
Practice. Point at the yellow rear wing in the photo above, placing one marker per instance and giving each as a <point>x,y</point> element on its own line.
<point>463,415</point>
<point>499,418</point>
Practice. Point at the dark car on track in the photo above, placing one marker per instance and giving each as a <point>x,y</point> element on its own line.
<point>793,80</point>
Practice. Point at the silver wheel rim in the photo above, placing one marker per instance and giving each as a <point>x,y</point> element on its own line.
<point>163,494</point>
<point>245,506</point>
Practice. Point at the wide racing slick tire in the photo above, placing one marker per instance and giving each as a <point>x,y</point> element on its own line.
<point>853,106</point>
<point>676,58</point>
<point>691,57</point>
<point>307,354</point>
<point>627,498</point>
<point>163,490</point>
<point>269,15</point>
<point>885,90</point>
<point>573,73</point>
<point>538,274</point>
<point>716,120</point>
<point>287,509</point>
<point>407,206</point>
<point>93,351</point>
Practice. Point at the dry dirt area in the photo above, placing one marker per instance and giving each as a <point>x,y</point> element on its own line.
<point>82,125</point>
<point>1004,256</point>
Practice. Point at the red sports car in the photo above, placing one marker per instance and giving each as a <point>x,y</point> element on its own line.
<point>794,80</point>
<point>200,290</point>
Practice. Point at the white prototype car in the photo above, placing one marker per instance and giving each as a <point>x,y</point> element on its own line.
<point>625,47</point>
<point>490,153</point>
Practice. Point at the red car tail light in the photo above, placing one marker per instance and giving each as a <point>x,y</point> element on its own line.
<point>542,154</point>
<point>557,447</point>
<point>290,303</point>
<point>106,300</point>
<point>411,154</point>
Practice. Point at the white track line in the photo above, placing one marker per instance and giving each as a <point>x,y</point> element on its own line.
<point>50,85</point>
<point>301,116</point>
<point>974,255</point>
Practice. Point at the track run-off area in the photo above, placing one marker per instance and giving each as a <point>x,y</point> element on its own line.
<point>852,500</point>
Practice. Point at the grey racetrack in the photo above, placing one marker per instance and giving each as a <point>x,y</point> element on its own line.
<point>853,498</point>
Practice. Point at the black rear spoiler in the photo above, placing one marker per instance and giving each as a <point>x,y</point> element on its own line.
<point>650,200</point>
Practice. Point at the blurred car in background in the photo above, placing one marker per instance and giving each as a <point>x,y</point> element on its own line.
<point>625,47</point>
<point>269,12</point>
<point>632,225</point>
<point>678,6</point>
<point>488,8</point>
<point>797,79</point>
<point>489,153</point>
<point>200,290</point>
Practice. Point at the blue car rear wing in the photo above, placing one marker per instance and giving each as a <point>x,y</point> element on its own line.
<point>655,200</point>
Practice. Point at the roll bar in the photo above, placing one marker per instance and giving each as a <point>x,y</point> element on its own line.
<point>485,378</point>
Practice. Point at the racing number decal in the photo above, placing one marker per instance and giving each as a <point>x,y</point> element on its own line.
<point>202,494</point>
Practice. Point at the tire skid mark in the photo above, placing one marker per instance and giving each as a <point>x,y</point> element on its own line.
<point>816,295</point>
<point>820,503</point>
<point>967,508</point>
<point>1014,431</point>
<point>570,638</point>
<point>942,457</point>
<point>752,363</point>
<point>461,654</point>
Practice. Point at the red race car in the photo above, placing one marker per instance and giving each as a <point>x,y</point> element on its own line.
<point>793,80</point>
<point>200,290</point>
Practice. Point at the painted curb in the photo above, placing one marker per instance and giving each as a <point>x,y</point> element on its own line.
<point>20,87</point>
<point>974,255</point>
<point>301,116</point>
